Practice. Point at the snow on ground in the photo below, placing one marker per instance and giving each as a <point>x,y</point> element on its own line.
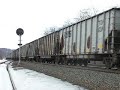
<point>3,60</point>
<point>25,79</point>
<point>5,83</point>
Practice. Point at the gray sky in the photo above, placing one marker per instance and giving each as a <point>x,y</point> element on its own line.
<point>34,16</point>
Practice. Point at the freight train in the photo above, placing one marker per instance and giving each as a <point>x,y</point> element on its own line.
<point>94,39</point>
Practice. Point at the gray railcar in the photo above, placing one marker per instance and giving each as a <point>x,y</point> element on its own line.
<point>96,38</point>
<point>93,39</point>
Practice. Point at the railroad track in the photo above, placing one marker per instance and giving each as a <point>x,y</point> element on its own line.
<point>10,76</point>
<point>98,68</point>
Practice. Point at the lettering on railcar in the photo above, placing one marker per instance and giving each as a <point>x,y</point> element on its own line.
<point>100,25</point>
<point>67,34</point>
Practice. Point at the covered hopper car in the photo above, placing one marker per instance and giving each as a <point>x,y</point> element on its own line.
<point>94,39</point>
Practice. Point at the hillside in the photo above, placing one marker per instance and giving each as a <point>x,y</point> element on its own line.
<point>4,52</point>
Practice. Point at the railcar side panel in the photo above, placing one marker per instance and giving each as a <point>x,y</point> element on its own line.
<point>94,26</point>
<point>63,31</point>
<point>83,38</point>
<point>88,36</point>
<point>45,46</point>
<point>49,44</point>
<point>52,44</point>
<point>42,46</point>
<point>36,47</point>
<point>61,41</point>
<point>17,53</point>
<point>78,39</point>
<point>70,39</point>
<point>74,39</point>
<point>39,46</point>
<point>45,40</point>
<point>100,30</point>
<point>30,51</point>
<point>106,30</point>
<point>56,43</point>
<point>117,19</point>
<point>24,50</point>
<point>67,40</point>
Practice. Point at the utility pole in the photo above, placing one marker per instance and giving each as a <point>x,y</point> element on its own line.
<point>19,32</point>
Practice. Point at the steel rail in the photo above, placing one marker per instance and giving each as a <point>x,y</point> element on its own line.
<point>10,76</point>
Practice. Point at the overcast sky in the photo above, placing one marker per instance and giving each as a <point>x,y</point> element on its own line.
<point>34,16</point>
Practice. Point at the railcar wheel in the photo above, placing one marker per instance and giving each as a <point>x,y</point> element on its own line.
<point>80,62</point>
<point>85,62</point>
<point>75,62</point>
<point>108,63</point>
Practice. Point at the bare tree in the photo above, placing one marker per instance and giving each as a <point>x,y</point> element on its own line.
<point>86,13</point>
<point>53,29</point>
<point>50,30</point>
<point>66,23</point>
<point>46,32</point>
<point>83,14</point>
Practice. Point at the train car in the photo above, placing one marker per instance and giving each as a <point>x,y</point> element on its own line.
<point>94,39</point>
<point>9,56</point>
<point>23,51</point>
